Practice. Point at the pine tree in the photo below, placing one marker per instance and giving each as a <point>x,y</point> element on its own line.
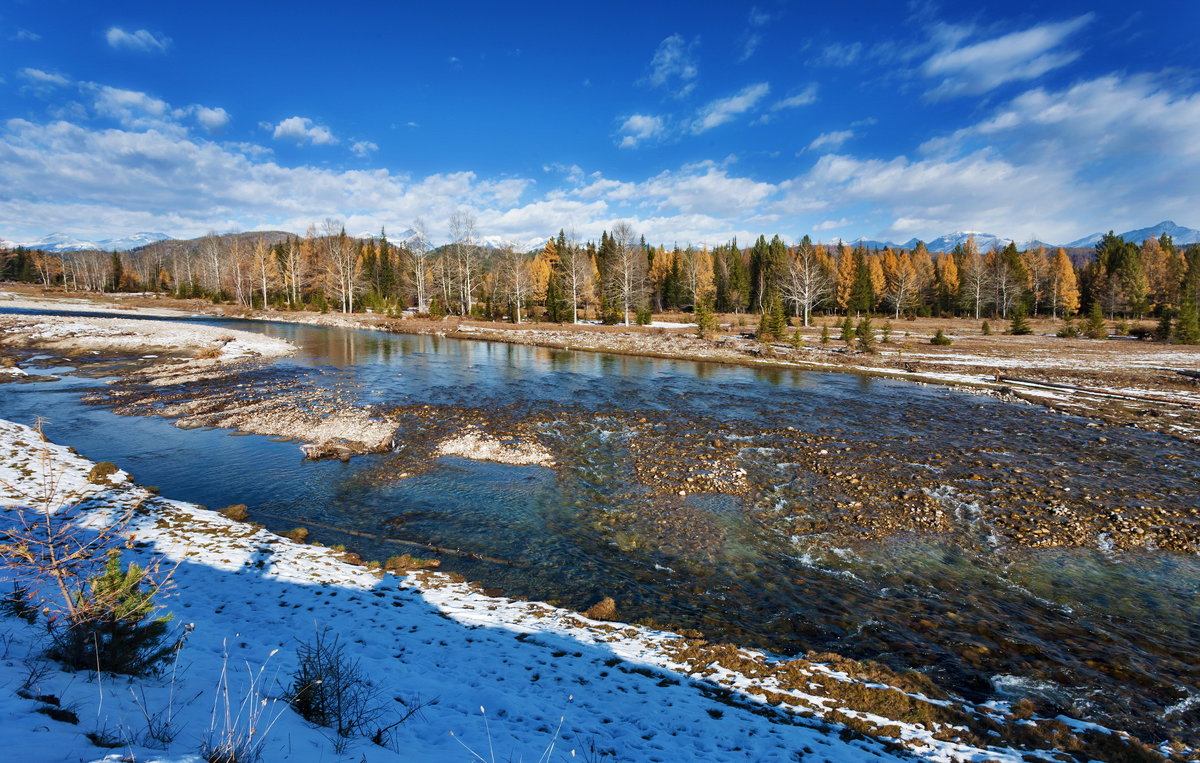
<point>940,338</point>
<point>117,272</point>
<point>557,309</point>
<point>1187,326</point>
<point>847,335</point>
<point>986,329</point>
<point>115,627</point>
<point>706,321</point>
<point>865,333</point>
<point>1162,332</point>
<point>1020,322</point>
<point>824,334</point>
<point>1095,328</point>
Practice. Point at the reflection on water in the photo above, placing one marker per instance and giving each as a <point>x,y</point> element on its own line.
<point>1122,634</point>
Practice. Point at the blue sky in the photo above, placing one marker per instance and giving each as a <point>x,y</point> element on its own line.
<point>695,122</point>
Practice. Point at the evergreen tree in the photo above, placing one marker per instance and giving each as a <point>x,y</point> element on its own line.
<point>847,334</point>
<point>116,272</point>
<point>115,626</point>
<point>1095,328</point>
<point>557,309</point>
<point>706,320</point>
<point>1162,332</point>
<point>1020,322</point>
<point>865,333</point>
<point>1187,327</point>
<point>986,329</point>
<point>824,334</point>
<point>940,338</point>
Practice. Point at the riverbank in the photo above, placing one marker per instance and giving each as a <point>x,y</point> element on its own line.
<point>499,674</point>
<point>1120,381</point>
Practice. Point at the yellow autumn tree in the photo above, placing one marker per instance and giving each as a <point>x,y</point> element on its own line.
<point>846,272</point>
<point>1064,288</point>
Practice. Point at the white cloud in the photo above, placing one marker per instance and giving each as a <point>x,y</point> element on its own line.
<point>640,127</point>
<point>830,139</point>
<point>723,110</point>
<point>38,78</point>
<point>674,66</point>
<point>839,55</point>
<point>131,108</point>
<point>979,67</point>
<point>363,148</point>
<point>24,35</point>
<point>832,224</point>
<point>211,119</point>
<point>301,130</point>
<point>141,41</point>
<point>805,97</point>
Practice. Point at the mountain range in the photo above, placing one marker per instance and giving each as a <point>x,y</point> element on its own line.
<point>65,242</point>
<point>985,241</point>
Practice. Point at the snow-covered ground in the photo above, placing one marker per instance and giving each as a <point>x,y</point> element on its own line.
<point>137,337</point>
<point>495,679</point>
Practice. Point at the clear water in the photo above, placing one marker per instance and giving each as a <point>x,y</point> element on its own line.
<point>1117,635</point>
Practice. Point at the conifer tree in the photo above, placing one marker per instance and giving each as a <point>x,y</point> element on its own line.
<point>847,334</point>
<point>1187,327</point>
<point>824,334</point>
<point>1095,328</point>
<point>706,321</point>
<point>1020,322</point>
<point>865,333</point>
<point>940,338</point>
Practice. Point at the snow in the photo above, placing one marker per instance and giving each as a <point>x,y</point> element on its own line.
<point>134,337</point>
<point>508,679</point>
<point>480,447</point>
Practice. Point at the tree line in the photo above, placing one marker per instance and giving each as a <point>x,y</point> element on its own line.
<point>622,279</point>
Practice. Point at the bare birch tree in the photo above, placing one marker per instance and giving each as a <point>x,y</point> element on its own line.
<point>627,274</point>
<point>807,280</point>
<point>418,246</point>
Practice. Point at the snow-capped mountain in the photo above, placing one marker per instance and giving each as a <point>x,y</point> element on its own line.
<point>65,242</point>
<point>133,241</point>
<point>1180,234</point>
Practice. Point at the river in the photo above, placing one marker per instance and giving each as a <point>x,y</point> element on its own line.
<point>776,563</point>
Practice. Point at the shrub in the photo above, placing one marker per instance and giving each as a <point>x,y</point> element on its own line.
<point>986,329</point>
<point>18,603</point>
<point>101,472</point>
<point>940,338</point>
<point>1095,327</point>
<point>300,535</point>
<point>330,689</point>
<point>237,512</point>
<point>406,562</point>
<point>643,316</point>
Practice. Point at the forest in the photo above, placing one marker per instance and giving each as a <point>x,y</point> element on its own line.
<point>622,279</point>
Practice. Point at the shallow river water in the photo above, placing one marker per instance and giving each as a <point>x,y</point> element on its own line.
<point>1111,636</point>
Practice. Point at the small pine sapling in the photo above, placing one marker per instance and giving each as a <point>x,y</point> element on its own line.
<point>866,334</point>
<point>824,334</point>
<point>847,335</point>
<point>986,329</point>
<point>940,339</point>
<point>1095,327</point>
<point>1020,323</point>
<point>885,332</point>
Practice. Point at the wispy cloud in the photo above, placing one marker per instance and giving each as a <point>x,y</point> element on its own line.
<point>363,148</point>
<point>830,139</point>
<point>832,224</point>
<point>24,35</point>
<point>141,41</point>
<point>723,110</point>
<point>970,69</point>
<point>751,39</point>
<point>805,97</point>
<point>302,130</point>
<point>39,79</point>
<point>674,66</point>
<point>640,127</point>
